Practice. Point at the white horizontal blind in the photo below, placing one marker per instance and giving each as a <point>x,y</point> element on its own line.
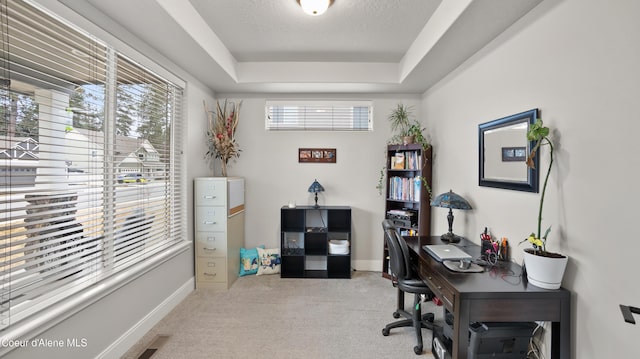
<point>308,115</point>
<point>144,114</point>
<point>69,219</point>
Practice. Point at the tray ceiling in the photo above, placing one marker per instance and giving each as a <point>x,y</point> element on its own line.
<point>357,46</point>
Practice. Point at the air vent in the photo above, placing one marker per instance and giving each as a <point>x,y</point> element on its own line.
<point>155,345</point>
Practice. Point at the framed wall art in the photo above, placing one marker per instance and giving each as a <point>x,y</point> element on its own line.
<point>318,155</point>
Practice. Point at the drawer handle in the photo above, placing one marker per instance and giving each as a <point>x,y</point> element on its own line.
<point>211,238</point>
<point>210,274</point>
<point>209,249</point>
<point>209,197</point>
<point>209,222</point>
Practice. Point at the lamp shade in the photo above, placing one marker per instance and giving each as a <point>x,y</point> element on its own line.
<point>450,200</point>
<point>316,187</point>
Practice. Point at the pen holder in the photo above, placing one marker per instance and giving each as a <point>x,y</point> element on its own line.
<point>486,246</point>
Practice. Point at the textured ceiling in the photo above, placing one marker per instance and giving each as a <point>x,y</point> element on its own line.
<point>267,46</point>
<point>367,31</point>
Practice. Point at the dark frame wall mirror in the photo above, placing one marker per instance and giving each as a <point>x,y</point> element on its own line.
<point>503,150</point>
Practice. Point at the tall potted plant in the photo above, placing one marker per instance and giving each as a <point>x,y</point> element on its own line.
<point>544,269</point>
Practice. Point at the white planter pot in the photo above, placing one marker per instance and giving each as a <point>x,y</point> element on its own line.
<point>545,272</point>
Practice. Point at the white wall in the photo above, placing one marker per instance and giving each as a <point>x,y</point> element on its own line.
<point>269,162</point>
<point>110,326</point>
<point>577,61</point>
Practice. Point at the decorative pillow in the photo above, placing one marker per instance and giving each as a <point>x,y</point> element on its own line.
<point>268,261</point>
<point>249,261</point>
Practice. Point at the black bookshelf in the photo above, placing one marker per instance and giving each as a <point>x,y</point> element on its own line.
<point>407,199</point>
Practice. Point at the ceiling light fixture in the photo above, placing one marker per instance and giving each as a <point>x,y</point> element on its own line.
<point>315,7</point>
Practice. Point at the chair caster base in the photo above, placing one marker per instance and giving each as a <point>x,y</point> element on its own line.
<point>417,349</point>
<point>385,332</point>
<point>429,317</point>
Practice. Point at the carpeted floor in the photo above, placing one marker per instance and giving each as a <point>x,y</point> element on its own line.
<point>269,316</point>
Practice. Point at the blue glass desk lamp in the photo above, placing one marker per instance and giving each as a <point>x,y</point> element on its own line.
<point>450,200</point>
<point>315,188</point>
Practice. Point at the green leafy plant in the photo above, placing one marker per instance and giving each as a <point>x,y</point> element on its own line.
<point>418,133</point>
<point>403,124</point>
<point>400,119</point>
<point>540,135</point>
<point>380,185</point>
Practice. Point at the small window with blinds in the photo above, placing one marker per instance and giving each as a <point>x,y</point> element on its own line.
<point>310,115</point>
<point>90,175</point>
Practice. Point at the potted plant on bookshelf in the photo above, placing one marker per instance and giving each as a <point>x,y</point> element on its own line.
<point>405,127</point>
<point>406,130</point>
<point>416,132</point>
<point>544,269</point>
<point>401,119</point>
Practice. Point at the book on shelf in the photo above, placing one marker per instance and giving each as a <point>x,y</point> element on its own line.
<point>398,161</point>
<point>408,160</point>
<point>408,232</point>
<point>404,188</point>
<point>412,161</point>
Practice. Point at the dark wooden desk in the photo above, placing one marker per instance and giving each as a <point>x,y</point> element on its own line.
<point>497,295</point>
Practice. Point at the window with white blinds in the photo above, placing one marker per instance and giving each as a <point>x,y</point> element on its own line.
<point>90,169</point>
<point>308,115</point>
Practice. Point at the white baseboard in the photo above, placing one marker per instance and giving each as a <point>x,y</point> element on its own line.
<point>129,338</point>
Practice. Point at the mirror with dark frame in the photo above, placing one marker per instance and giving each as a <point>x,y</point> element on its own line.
<point>503,153</point>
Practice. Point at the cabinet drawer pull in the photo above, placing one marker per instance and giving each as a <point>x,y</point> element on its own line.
<point>209,197</point>
<point>210,274</point>
<point>209,249</point>
<point>209,222</point>
<point>211,238</point>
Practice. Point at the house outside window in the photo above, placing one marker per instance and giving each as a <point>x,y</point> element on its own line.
<point>70,224</point>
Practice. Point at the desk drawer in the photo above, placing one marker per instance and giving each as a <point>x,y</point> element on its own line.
<point>438,288</point>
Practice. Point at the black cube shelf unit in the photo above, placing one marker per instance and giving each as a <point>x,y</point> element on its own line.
<point>315,242</point>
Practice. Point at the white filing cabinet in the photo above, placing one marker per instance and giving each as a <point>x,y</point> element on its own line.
<point>219,230</point>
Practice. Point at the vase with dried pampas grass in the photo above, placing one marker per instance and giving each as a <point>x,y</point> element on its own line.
<point>221,131</point>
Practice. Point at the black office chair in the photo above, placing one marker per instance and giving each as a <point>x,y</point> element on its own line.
<point>407,281</point>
